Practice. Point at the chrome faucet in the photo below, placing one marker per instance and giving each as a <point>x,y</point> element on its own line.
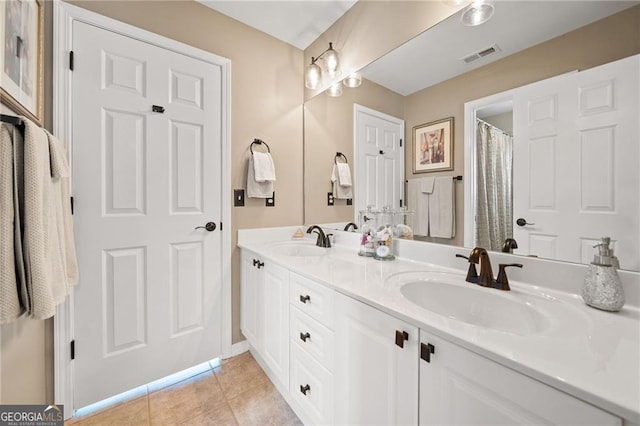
<point>485,278</point>
<point>323,240</point>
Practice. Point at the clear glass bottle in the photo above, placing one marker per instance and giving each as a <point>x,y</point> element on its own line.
<point>385,235</point>
<point>367,223</point>
<point>602,286</point>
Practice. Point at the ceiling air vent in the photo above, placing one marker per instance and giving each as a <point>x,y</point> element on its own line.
<point>481,53</point>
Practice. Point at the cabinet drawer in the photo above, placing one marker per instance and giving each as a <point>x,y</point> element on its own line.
<point>313,299</point>
<point>313,337</point>
<point>311,387</point>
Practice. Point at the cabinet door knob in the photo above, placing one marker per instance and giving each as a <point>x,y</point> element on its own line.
<point>304,389</point>
<point>305,299</point>
<point>401,336</point>
<point>260,264</point>
<point>305,336</point>
<point>426,351</point>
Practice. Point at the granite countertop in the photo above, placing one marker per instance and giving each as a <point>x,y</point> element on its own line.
<point>590,354</point>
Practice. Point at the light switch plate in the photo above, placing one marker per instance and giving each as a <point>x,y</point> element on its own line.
<point>238,197</point>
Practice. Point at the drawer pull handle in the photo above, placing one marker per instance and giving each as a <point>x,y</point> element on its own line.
<point>305,336</point>
<point>426,351</point>
<point>401,336</point>
<point>257,263</point>
<point>304,389</point>
<point>305,299</point>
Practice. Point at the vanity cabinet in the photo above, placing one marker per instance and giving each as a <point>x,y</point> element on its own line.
<point>458,387</point>
<point>376,366</point>
<point>264,318</point>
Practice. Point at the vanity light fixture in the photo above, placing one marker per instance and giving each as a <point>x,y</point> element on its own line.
<point>335,90</point>
<point>313,75</point>
<point>478,12</point>
<point>353,80</point>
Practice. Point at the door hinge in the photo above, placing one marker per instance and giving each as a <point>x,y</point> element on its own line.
<point>401,143</point>
<point>71,205</point>
<point>221,226</point>
<point>73,349</point>
<point>401,202</point>
<point>71,60</point>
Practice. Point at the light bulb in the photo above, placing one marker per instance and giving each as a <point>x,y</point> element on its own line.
<point>332,61</point>
<point>335,90</point>
<point>313,76</point>
<point>353,80</point>
<point>478,12</point>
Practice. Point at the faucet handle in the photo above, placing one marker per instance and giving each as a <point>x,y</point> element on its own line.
<point>472,273</point>
<point>502,282</point>
<point>328,239</point>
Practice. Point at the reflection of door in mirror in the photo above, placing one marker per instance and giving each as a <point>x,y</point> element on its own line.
<point>575,174</point>
<point>379,155</point>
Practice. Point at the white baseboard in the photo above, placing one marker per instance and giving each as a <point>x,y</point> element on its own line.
<point>239,348</point>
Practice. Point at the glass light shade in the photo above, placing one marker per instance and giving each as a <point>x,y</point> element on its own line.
<point>332,61</point>
<point>335,90</point>
<point>353,80</point>
<point>478,12</point>
<point>313,76</point>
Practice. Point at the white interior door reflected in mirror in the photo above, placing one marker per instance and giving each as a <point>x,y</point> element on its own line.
<point>379,159</point>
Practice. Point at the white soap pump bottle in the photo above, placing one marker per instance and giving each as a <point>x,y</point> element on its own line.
<point>602,286</point>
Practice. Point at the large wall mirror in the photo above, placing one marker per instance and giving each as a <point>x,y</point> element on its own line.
<point>431,77</point>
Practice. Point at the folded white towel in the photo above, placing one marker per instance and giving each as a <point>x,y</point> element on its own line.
<point>340,192</point>
<point>263,167</point>
<point>442,212</point>
<point>257,189</point>
<point>426,184</point>
<point>418,201</point>
<point>344,174</point>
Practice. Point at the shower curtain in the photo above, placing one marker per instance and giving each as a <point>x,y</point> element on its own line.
<point>494,203</point>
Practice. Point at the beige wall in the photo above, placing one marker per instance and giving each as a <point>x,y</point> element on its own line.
<point>607,40</point>
<point>328,128</point>
<point>266,103</point>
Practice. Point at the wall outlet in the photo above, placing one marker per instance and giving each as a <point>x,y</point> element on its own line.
<point>238,197</point>
<point>330,200</point>
<point>349,201</point>
<point>270,202</point>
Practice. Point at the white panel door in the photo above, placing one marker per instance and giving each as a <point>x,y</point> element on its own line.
<point>576,152</point>
<point>376,381</point>
<point>149,299</point>
<point>379,154</point>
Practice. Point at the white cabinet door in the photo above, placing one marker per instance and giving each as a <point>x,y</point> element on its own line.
<point>459,387</point>
<point>376,381</point>
<point>274,316</point>
<point>249,289</point>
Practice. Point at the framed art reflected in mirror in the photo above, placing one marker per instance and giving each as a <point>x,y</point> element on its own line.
<point>21,57</point>
<point>433,146</point>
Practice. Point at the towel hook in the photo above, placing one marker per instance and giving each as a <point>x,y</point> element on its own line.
<point>259,142</point>
<point>339,154</point>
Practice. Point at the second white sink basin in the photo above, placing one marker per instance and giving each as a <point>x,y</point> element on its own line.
<point>299,249</point>
<point>451,296</point>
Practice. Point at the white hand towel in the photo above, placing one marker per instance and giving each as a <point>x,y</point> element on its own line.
<point>344,174</point>
<point>426,185</point>
<point>257,189</point>
<point>418,201</point>
<point>263,167</point>
<point>340,192</point>
<point>442,222</point>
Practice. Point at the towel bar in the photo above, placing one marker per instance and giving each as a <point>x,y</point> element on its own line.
<point>259,142</point>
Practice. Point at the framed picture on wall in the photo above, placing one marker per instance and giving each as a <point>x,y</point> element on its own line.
<point>21,57</point>
<point>433,146</point>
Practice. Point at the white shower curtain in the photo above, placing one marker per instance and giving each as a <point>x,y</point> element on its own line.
<point>494,203</point>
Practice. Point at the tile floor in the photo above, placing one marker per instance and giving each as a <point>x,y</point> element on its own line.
<point>237,392</point>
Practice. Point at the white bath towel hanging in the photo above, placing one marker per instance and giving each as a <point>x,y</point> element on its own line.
<point>426,184</point>
<point>442,212</point>
<point>418,201</point>
<point>10,306</point>
<point>263,167</point>
<point>340,192</point>
<point>344,174</point>
<point>257,189</point>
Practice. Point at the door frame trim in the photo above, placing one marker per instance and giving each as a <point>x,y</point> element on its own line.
<point>64,15</point>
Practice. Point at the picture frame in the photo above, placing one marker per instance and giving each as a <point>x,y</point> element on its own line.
<point>21,57</point>
<point>433,146</point>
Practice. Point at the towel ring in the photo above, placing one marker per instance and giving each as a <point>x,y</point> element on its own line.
<point>339,154</point>
<point>259,142</point>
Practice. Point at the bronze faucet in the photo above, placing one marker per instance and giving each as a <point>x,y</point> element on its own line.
<point>485,278</point>
<point>323,240</point>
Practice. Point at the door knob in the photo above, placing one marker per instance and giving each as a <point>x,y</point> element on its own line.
<point>522,222</point>
<point>210,226</point>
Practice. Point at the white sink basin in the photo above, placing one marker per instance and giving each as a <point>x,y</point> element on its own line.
<point>299,249</point>
<point>451,296</point>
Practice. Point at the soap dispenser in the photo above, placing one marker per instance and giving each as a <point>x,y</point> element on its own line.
<point>602,286</point>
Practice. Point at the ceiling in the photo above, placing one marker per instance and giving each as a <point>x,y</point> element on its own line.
<point>297,22</point>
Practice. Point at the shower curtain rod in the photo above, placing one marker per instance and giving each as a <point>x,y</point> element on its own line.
<point>497,128</point>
